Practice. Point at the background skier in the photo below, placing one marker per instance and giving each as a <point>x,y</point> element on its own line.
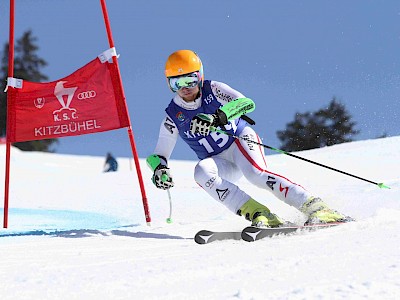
<point>111,164</point>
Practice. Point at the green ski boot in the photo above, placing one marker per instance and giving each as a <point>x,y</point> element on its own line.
<point>259,215</point>
<point>318,212</point>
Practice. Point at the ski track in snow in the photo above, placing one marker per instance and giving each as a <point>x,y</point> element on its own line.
<point>77,233</point>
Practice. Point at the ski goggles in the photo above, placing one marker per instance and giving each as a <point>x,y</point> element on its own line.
<point>190,80</point>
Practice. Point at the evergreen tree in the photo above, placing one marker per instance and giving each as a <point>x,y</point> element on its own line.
<point>325,127</point>
<point>27,66</point>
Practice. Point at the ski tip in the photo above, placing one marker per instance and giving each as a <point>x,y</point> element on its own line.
<point>203,236</point>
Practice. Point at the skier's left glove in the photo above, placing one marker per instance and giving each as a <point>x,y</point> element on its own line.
<point>161,178</point>
<point>202,123</point>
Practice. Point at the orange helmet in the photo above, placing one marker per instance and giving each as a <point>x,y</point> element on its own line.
<point>183,62</point>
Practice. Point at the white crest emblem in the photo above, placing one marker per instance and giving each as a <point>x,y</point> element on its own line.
<point>39,102</point>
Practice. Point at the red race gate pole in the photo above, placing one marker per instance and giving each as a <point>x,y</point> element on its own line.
<point>8,144</point>
<point>130,132</point>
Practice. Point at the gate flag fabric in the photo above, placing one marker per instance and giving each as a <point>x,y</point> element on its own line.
<point>87,101</point>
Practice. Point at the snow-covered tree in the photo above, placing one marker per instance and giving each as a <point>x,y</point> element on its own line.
<point>325,127</point>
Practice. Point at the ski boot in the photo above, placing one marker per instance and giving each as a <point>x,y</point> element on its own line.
<point>318,212</point>
<point>259,215</point>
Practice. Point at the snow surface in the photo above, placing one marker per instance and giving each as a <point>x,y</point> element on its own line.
<point>77,233</point>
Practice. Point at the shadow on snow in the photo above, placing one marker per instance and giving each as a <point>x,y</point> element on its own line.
<point>84,233</point>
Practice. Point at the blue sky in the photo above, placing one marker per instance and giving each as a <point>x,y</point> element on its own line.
<point>288,56</point>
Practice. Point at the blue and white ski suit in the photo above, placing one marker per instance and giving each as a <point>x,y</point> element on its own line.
<point>223,159</point>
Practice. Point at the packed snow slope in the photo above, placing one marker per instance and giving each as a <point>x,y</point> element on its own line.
<point>78,233</point>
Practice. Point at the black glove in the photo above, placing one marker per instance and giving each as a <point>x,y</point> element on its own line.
<point>162,178</point>
<point>203,123</point>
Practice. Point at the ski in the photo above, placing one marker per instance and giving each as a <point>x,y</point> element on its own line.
<point>251,233</point>
<point>206,236</point>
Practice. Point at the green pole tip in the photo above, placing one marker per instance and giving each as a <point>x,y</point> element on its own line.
<point>383,186</point>
<point>169,220</point>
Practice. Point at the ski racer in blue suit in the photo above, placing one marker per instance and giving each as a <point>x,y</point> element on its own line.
<point>198,113</point>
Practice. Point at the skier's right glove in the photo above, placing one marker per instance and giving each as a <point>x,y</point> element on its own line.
<point>161,177</point>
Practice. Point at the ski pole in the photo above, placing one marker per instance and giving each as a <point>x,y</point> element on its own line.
<point>380,185</point>
<point>169,219</point>
<point>164,177</point>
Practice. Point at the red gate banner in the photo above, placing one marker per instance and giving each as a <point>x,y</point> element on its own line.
<point>87,101</point>
<point>90,100</point>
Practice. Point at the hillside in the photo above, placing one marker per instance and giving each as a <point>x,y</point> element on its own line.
<point>77,233</point>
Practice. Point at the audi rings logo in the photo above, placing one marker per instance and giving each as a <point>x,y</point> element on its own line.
<point>86,95</point>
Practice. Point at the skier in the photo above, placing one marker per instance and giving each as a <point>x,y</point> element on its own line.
<point>198,107</point>
<point>111,163</point>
